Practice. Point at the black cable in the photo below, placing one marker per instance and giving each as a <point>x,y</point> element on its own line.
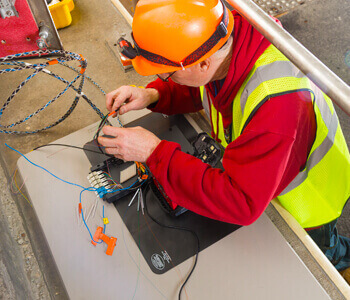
<point>71,146</point>
<point>97,134</point>
<point>178,228</point>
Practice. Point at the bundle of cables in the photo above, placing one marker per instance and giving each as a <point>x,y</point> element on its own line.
<point>13,65</point>
<point>99,128</point>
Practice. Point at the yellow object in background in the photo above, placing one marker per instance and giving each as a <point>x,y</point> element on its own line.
<point>60,13</point>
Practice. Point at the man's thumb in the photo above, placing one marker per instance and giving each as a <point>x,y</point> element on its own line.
<point>123,110</point>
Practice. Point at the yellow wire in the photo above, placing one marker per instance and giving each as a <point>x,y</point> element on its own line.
<point>20,189</point>
<point>12,184</point>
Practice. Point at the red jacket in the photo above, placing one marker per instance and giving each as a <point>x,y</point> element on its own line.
<point>258,165</point>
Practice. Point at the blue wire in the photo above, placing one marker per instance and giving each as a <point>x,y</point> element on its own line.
<point>82,215</point>
<point>126,188</point>
<point>103,216</point>
<point>91,189</point>
<point>103,208</point>
<point>78,185</point>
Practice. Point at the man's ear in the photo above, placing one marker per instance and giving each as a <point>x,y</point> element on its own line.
<point>204,65</point>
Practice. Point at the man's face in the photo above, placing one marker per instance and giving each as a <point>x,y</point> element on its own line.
<point>194,76</point>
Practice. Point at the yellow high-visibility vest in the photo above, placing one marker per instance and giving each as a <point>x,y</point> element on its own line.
<point>317,195</point>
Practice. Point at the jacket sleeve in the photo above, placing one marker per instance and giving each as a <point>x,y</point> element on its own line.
<point>175,98</point>
<point>258,165</point>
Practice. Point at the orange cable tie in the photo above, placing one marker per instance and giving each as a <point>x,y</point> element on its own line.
<point>82,70</point>
<point>112,113</point>
<point>53,62</point>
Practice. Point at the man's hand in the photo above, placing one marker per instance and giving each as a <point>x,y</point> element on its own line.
<point>133,97</point>
<point>129,144</point>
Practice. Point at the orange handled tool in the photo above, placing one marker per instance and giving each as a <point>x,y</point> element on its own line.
<point>110,241</point>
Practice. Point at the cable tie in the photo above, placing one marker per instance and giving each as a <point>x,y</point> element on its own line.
<point>89,214</point>
<point>182,65</point>
<point>80,208</point>
<point>138,201</point>
<point>142,204</point>
<point>113,112</point>
<point>79,94</point>
<point>53,62</point>
<point>96,203</point>
<point>132,200</point>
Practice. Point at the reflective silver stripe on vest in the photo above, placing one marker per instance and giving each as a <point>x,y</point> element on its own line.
<point>331,121</point>
<point>274,70</point>
<point>205,103</point>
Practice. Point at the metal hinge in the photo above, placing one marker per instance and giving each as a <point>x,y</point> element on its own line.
<point>7,9</point>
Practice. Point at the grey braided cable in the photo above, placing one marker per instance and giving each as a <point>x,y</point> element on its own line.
<point>76,90</point>
<point>67,56</point>
<point>7,102</point>
<point>87,77</point>
<point>42,108</point>
<point>69,111</point>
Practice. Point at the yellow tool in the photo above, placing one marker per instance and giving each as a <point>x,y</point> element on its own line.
<point>60,12</point>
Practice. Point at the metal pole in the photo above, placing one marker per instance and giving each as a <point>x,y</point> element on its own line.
<point>313,68</point>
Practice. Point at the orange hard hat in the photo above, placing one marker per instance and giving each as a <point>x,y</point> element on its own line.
<point>170,35</point>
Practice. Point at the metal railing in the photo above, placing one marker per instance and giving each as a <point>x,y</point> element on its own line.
<point>312,67</point>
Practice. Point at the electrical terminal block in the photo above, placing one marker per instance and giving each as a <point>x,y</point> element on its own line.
<point>99,181</point>
<point>107,177</point>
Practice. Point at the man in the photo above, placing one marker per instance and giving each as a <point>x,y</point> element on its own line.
<point>281,133</point>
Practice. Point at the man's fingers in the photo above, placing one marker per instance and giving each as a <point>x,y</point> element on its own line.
<point>112,150</point>
<point>107,142</point>
<point>110,99</point>
<point>118,102</point>
<point>133,99</point>
<point>113,131</point>
<point>115,99</point>
<point>110,146</point>
<point>128,107</point>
